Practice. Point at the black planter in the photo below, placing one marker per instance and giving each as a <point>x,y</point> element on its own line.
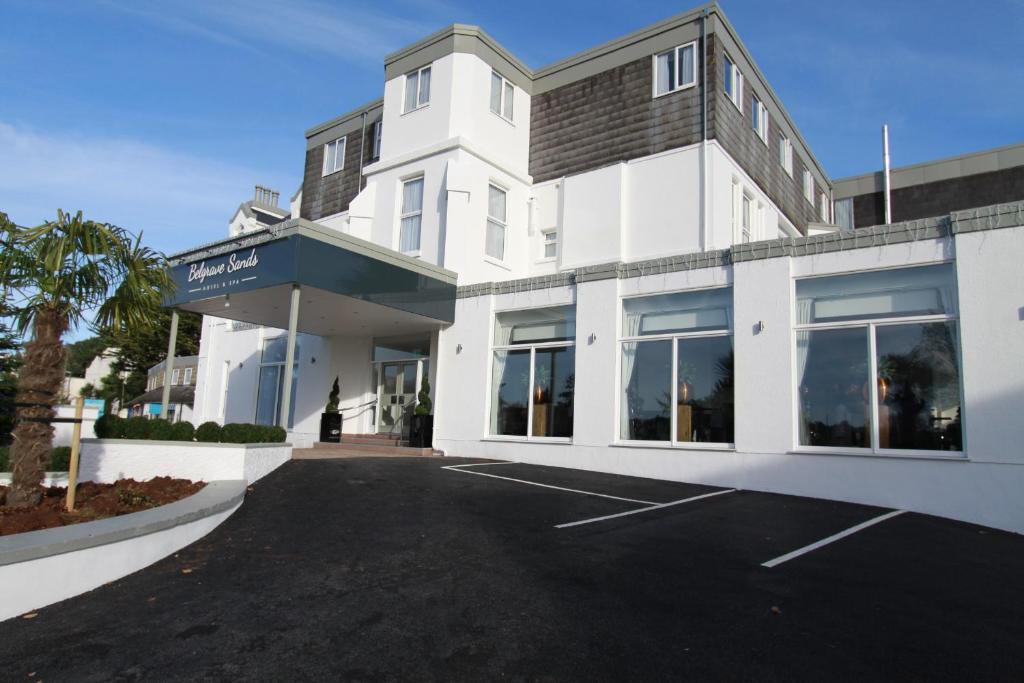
<point>330,427</point>
<point>421,431</point>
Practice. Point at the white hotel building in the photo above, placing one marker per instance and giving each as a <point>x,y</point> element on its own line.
<point>630,261</point>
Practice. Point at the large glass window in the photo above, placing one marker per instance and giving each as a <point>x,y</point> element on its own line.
<point>677,368</point>
<point>533,378</point>
<point>877,360</point>
<point>271,382</point>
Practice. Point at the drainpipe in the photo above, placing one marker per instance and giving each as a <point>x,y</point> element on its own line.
<point>362,152</point>
<point>885,161</point>
<point>704,241</point>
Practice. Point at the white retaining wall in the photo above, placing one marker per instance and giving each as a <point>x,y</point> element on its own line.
<point>107,460</point>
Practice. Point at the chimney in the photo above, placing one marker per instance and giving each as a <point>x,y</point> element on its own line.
<point>266,196</point>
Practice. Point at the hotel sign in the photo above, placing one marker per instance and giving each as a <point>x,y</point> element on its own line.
<point>246,268</point>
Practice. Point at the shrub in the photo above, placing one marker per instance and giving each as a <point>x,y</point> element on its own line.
<point>182,431</point>
<point>275,434</point>
<point>109,426</point>
<point>240,433</point>
<point>60,459</point>
<point>159,430</point>
<point>5,456</point>
<point>136,428</point>
<point>208,432</point>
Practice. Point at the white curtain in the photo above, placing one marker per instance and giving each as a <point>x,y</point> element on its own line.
<point>509,99</point>
<point>666,62</point>
<point>803,338</point>
<point>630,328</point>
<point>411,88</point>
<point>496,93</point>
<point>425,86</point>
<point>502,336</point>
<point>496,210</point>
<point>412,201</point>
<point>686,70</point>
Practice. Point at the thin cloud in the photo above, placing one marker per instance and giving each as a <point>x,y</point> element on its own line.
<point>349,33</point>
<point>176,199</point>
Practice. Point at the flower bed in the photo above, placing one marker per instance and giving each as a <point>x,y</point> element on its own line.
<point>94,501</point>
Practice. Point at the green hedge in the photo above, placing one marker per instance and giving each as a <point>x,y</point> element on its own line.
<point>113,427</point>
<point>5,457</point>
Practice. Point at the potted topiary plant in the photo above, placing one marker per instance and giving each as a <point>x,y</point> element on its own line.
<point>421,429</point>
<point>330,419</point>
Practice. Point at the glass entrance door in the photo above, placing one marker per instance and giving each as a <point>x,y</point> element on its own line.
<point>397,396</point>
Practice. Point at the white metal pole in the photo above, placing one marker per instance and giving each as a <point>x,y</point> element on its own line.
<point>885,159</point>
<point>172,342</point>
<point>289,357</point>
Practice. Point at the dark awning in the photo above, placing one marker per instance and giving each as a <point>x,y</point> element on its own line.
<point>182,394</point>
<point>349,285</point>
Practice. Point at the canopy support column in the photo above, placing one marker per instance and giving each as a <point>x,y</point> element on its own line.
<point>289,358</point>
<point>172,342</point>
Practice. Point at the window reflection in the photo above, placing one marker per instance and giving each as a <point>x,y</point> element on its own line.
<point>647,390</point>
<point>511,387</point>
<point>704,394</point>
<point>918,386</point>
<point>832,372</point>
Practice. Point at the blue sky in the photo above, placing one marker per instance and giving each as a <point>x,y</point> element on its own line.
<point>161,116</point>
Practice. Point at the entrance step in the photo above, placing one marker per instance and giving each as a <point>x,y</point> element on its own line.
<point>363,440</point>
<point>356,450</point>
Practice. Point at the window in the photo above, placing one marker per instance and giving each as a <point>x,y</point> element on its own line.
<point>502,96</point>
<point>378,128</point>
<point>334,156</point>
<point>175,373</point>
<point>411,217</point>
<point>533,378</point>
<point>843,209</point>
<point>733,83</point>
<point>270,388</point>
<point>675,69</point>
<point>877,360</point>
<point>745,223</point>
<point>549,245</point>
<point>677,368</point>
<point>759,118</point>
<point>188,376</point>
<point>786,154</point>
<point>496,222</point>
<point>808,187</point>
<point>417,89</point>
<point>823,207</point>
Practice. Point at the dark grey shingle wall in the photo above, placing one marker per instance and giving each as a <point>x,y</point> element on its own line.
<point>327,195</point>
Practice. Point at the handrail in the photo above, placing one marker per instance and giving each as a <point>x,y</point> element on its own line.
<point>361,405</point>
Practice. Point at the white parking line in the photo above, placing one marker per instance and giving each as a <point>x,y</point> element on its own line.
<point>834,537</point>
<point>455,468</point>
<point>655,506</point>
<point>478,464</point>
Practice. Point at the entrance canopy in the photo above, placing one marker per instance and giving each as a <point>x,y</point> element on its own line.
<point>346,286</point>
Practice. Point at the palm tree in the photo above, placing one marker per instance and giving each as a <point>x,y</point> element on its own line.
<point>56,274</point>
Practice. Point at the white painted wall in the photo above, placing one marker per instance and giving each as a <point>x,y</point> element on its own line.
<point>107,460</point>
<point>983,488</point>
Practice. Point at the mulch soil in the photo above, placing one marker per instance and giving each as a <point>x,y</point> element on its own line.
<point>94,501</point>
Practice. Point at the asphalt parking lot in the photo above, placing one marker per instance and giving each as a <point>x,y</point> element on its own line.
<point>452,569</point>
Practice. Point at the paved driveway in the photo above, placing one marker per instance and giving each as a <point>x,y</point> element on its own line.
<point>407,569</point>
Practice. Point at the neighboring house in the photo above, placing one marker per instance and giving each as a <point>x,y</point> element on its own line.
<point>98,369</point>
<point>624,261</point>
<point>182,396</point>
<point>259,212</point>
<point>934,188</point>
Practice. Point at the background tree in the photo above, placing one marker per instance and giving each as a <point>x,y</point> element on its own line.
<point>80,354</point>
<point>57,272</point>
<point>10,359</point>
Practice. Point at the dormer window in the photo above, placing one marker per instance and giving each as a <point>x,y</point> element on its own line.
<point>502,96</point>
<point>759,118</point>
<point>675,69</point>
<point>334,156</point>
<point>417,89</point>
